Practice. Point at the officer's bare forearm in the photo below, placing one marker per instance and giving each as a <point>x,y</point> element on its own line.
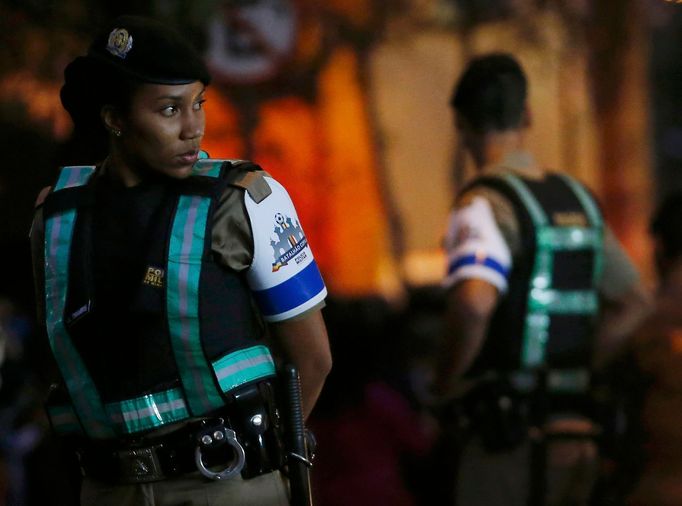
<point>305,343</point>
<point>470,306</point>
<point>463,341</point>
<point>618,322</point>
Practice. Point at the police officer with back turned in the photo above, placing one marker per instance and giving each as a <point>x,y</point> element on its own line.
<point>171,285</point>
<point>538,291</point>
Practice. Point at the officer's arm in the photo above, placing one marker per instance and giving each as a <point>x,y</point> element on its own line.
<point>470,306</point>
<point>37,239</point>
<point>618,321</point>
<point>305,343</point>
<point>478,264</point>
<point>625,302</point>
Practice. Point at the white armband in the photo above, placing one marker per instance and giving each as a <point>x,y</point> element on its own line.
<point>283,277</point>
<point>475,247</point>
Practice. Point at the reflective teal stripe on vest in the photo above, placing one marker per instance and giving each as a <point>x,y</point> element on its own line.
<point>243,366</point>
<point>64,420</point>
<point>58,235</point>
<point>157,409</point>
<point>543,300</point>
<point>185,253</point>
<point>148,411</point>
<point>595,218</point>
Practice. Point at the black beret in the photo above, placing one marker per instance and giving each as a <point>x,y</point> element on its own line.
<point>149,51</point>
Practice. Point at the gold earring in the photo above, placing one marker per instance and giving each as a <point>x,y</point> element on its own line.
<point>116,132</point>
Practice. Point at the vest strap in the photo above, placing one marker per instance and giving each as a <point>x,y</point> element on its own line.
<point>595,218</point>
<point>185,254</point>
<point>58,235</point>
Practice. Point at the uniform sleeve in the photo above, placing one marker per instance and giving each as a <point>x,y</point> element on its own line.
<point>37,240</point>
<point>283,276</point>
<point>475,246</point>
<point>619,274</point>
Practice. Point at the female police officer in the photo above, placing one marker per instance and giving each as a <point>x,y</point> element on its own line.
<point>155,269</point>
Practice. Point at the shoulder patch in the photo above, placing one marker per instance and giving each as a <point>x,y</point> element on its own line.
<point>253,181</point>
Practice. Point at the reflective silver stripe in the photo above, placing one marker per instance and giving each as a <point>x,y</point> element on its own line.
<point>563,302</point>
<point>596,221</point>
<point>569,381</point>
<point>569,238</point>
<point>148,411</point>
<point>536,335</point>
<point>243,366</point>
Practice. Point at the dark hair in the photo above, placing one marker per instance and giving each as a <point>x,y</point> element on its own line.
<point>666,225</point>
<point>89,85</point>
<point>491,93</point>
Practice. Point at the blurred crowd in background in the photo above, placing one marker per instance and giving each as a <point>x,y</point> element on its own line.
<point>345,102</point>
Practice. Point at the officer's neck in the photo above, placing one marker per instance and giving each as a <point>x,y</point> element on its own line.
<point>491,148</point>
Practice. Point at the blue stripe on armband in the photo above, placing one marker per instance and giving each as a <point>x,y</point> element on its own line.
<point>291,293</point>
<point>488,262</point>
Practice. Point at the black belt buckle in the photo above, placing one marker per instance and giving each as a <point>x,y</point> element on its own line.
<point>139,465</point>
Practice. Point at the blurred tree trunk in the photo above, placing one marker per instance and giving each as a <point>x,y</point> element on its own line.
<point>619,53</point>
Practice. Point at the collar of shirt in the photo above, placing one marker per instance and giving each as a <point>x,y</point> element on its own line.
<point>520,162</point>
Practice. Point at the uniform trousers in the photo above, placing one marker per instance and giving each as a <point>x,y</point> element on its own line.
<point>503,478</point>
<point>189,490</point>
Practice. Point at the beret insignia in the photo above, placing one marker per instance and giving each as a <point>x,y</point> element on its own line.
<point>120,42</point>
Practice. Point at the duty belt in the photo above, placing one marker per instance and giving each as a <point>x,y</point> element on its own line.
<point>243,438</point>
<point>197,447</point>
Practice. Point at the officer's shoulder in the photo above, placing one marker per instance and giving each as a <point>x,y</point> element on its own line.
<point>492,188</point>
<point>250,177</point>
<point>40,200</point>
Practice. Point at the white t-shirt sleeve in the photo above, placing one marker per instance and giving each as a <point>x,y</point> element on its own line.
<point>475,247</point>
<point>283,277</point>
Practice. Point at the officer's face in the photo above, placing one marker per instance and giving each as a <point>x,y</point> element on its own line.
<point>163,128</point>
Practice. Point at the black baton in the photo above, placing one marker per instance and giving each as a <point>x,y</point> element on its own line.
<point>296,444</point>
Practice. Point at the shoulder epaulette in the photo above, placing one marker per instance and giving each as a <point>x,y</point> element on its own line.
<point>250,177</point>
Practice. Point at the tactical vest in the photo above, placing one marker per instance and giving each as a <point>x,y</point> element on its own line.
<point>546,321</point>
<point>192,320</point>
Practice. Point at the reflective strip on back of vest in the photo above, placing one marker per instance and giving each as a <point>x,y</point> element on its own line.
<point>58,235</point>
<point>543,299</point>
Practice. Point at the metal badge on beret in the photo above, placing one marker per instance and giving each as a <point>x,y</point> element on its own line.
<point>120,42</point>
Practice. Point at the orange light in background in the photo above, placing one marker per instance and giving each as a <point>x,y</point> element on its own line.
<point>324,155</point>
<point>222,138</point>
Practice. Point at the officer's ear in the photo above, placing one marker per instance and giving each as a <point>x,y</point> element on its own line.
<point>111,119</point>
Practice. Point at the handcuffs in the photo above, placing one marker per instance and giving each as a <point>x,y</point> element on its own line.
<point>216,435</point>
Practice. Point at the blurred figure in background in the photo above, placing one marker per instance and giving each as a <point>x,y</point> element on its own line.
<point>658,349</point>
<point>22,425</point>
<point>539,290</point>
<point>370,435</point>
